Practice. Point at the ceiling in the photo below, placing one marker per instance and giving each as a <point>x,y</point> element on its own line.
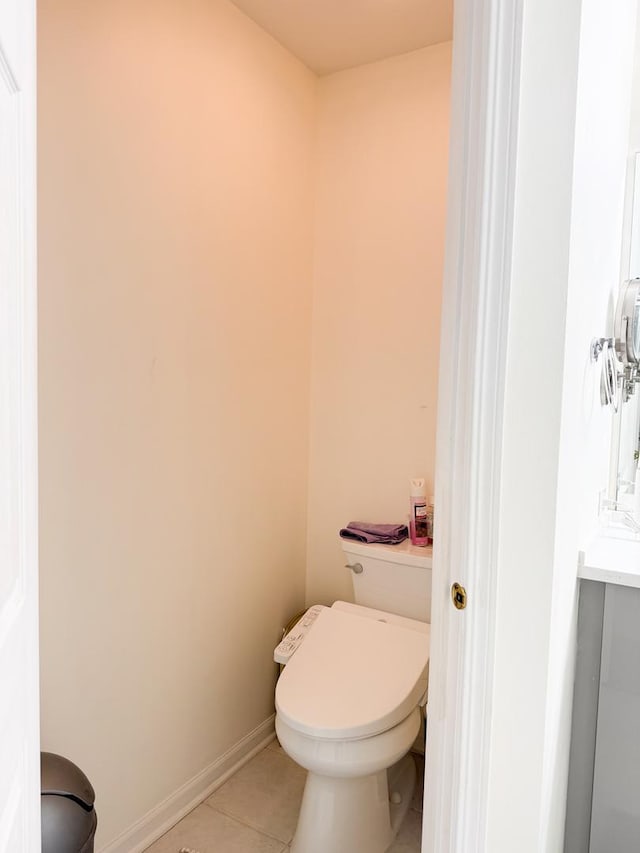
<point>329,35</point>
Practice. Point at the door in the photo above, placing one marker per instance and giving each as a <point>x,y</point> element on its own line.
<point>19,737</point>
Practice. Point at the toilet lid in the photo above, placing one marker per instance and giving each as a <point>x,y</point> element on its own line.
<point>353,677</point>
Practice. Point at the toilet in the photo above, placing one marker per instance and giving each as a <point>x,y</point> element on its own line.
<point>350,700</point>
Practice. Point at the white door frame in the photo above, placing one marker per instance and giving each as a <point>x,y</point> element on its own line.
<point>19,695</point>
<point>524,268</point>
<point>485,89</point>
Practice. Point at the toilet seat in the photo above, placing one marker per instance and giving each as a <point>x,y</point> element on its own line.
<point>353,677</point>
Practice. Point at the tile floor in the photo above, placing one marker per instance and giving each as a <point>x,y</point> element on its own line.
<point>256,811</point>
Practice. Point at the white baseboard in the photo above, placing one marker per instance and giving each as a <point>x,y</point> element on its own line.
<point>167,813</point>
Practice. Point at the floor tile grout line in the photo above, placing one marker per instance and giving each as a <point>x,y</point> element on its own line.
<point>248,825</point>
<point>232,817</point>
<point>171,828</point>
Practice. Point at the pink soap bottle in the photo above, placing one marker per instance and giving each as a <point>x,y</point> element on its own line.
<point>418,527</point>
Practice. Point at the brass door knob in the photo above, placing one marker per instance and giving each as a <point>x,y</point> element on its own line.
<point>458,596</point>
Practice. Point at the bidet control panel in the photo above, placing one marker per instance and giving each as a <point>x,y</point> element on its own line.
<point>285,650</point>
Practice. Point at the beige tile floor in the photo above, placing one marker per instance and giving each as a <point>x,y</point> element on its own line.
<point>256,811</point>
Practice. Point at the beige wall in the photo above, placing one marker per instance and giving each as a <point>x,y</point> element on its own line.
<point>177,154</point>
<point>379,245</point>
<point>175,250</point>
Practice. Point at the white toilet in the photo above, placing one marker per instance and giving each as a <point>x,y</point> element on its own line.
<point>349,702</point>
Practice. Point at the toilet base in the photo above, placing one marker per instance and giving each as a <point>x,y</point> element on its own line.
<point>401,779</point>
<point>354,815</point>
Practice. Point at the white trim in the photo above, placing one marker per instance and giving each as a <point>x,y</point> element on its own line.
<point>486,68</point>
<point>6,72</point>
<point>19,733</point>
<point>167,813</point>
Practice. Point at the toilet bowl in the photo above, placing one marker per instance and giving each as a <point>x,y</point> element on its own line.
<point>348,709</point>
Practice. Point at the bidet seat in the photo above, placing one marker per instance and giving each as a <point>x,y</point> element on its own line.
<point>353,677</point>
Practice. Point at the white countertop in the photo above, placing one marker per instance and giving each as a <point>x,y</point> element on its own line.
<point>611,559</point>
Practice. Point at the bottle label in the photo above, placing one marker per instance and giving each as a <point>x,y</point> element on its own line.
<point>420,521</point>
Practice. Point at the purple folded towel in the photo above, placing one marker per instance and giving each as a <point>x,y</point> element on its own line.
<point>363,531</point>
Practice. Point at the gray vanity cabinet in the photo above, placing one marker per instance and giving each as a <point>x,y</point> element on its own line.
<point>603,802</point>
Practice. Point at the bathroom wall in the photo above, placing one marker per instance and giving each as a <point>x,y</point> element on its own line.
<point>379,244</point>
<point>176,143</point>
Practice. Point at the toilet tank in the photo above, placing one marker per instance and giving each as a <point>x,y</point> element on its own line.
<point>395,578</point>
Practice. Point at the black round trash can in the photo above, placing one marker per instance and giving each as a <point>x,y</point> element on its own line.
<point>69,818</point>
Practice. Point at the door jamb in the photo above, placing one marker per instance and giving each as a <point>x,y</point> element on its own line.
<point>475,318</point>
